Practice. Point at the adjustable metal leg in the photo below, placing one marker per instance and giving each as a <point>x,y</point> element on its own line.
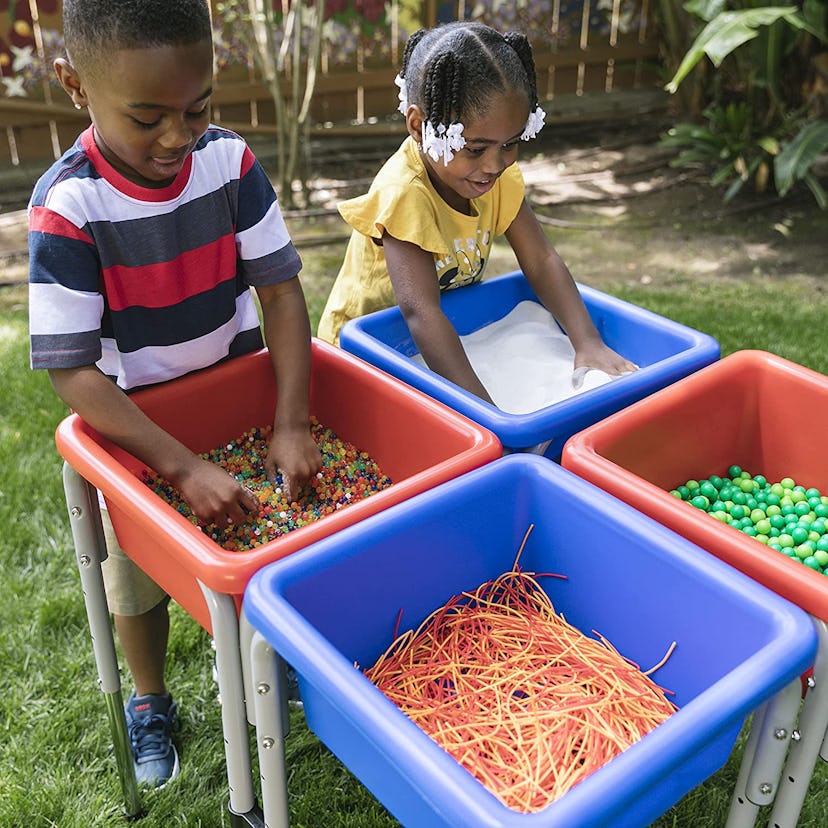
<point>225,623</point>
<point>743,812</point>
<point>813,729</point>
<point>267,674</point>
<point>764,755</point>
<point>90,550</point>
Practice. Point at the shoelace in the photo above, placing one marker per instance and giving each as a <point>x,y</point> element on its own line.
<point>150,737</point>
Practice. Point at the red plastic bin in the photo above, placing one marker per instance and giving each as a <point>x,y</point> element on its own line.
<point>752,408</point>
<point>416,441</point>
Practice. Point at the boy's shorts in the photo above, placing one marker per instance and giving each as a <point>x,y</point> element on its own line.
<point>129,590</point>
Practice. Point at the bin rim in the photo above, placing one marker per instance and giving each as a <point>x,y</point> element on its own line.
<point>84,449</point>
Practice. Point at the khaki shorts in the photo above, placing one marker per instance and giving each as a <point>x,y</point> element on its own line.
<point>129,590</point>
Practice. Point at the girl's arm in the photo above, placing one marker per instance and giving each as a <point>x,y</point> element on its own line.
<point>415,284</point>
<point>292,449</point>
<point>213,494</point>
<point>553,283</point>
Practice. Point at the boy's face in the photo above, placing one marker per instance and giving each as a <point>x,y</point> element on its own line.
<point>149,107</point>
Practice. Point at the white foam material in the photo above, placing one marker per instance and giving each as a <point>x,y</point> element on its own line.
<point>526,362</point>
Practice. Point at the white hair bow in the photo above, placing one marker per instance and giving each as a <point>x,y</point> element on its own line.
<point>443,141</point>
<point>400,81</point>
<point>534,123</point>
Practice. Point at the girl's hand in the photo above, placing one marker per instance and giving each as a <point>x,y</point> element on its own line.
<point>294,453</point>
<point>215,496</point>
<point>596,354</point>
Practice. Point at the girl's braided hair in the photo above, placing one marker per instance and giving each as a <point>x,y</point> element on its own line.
<point>454,70</point>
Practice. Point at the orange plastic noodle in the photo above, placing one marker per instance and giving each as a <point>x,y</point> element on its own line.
<point>519,697</point>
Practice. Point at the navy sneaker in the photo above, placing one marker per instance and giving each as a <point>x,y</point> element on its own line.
<point>150,722</point>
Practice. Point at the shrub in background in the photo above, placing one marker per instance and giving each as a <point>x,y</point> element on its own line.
<point>764,107</point>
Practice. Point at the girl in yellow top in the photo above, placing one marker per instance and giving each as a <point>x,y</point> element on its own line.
<point>429,218</point>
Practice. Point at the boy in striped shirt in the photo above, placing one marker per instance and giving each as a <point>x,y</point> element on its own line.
<point>145,240</point>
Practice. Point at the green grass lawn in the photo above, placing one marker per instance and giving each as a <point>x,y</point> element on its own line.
<point>54,756</point>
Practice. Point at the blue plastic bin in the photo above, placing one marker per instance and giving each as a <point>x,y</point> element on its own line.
<point>640,585</point>
<point>665,351</point>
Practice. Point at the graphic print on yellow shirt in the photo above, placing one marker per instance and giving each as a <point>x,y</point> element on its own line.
<point>464,265</point>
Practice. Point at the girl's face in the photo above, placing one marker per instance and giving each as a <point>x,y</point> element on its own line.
<point>149,108</point>
<point>492,141</point>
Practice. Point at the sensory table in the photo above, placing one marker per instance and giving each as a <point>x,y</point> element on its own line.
<point>335,607</point>
<point>418,442</point>
<point>769,417</point>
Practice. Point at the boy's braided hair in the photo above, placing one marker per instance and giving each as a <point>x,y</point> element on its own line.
<point>92,29</point>
<point>454,70</point>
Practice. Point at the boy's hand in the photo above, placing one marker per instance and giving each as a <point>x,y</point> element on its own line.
<point>598,355</point>
<point>294,453</point>
<point>215,496</point>
<point>292,449</point>
<point>212,494</point>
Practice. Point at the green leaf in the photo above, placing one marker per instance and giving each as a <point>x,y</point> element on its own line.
<point>814,13</point>
<point>733,189</point>
<point>724,173</point>
<point>729,30</point>
<point>689,134</point>
<point>816,188</point>
<point>736,118</point>
<point>797,157</point>
<point>705,9</point>
<point>769,144</point>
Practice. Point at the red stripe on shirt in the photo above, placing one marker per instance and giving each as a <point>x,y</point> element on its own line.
<point>168,283</point>
<point>248,160</point>
<point>130,188</point>
<point>44,220</point>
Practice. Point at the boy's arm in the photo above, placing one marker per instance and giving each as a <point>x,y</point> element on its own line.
<point>411,270</point>
<point>554,286</point>
<point>213,494</point>
<point>293,450</point>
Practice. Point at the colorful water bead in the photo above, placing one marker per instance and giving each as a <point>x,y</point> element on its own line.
<point>784,516</point>
<point>347,476</point>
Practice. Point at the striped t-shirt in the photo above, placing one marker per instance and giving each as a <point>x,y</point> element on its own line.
<point>150,284</point>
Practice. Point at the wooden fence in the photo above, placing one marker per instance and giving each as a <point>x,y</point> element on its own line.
<point>581,46</point>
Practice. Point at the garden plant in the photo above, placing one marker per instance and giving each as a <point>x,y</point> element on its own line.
<point>764,102</point>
